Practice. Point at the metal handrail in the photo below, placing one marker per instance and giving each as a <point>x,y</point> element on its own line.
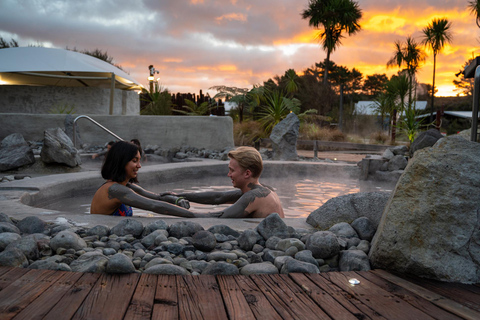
<point>476,97</point>
<point>95,122</point>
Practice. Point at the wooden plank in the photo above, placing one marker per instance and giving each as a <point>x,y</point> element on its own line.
<point>287,298</point>
<point>109,297</point>
<point>347,300</point>
<point>166,301</point>
<point>47,300</point>
<point>20,293</point>
<point>258,303</point>
<point>383,302</point>
<point>439,300</point>
<point>408,296</point>
<point>141,306</point>
<point>199,298</point>
<point>4,269</point>
<point>235,302</point>
<point>331,306</point>
<point>74,297</point>
<point>11,275</point>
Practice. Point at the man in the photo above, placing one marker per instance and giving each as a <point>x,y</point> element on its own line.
<point>252,199</point>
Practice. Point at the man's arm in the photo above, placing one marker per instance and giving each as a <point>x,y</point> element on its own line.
<point>174,199</point>
<point>213,197</point>
<point>131,198</point>
<point>239,209</point>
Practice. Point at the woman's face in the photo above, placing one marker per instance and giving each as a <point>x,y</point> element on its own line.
<point>131,169</point>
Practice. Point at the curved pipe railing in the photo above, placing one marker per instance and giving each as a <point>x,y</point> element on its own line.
<point>476,102</point>
<point>95,122</point>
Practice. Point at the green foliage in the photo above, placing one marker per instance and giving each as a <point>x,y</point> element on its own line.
<point>247,132</point>
<point>62,109</point>
<point>197,110</point>
<point>159,102</point>
<point>5,44</point>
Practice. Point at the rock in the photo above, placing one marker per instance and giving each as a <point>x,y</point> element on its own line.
<point>388,154</point>
<point>4,218</point>
<point>430,227</point>
<point>349,207</point>
<point>225,230</point>
<point>295,266</point>
<point>323,244</point>
<point>8,227</point>
<point>221,256</point>
<point>58,148</point>
<point>221,268</point>
<point>247,239</point>
<point>259,268</point>
<point>204,240</point>
<point>271,255</point>
<point>343,230</point>
<point>128,226</point>
<point>156,261</point>
<point>100,231</point>
<point>425,139</point>
<point>13,257</point>
<point>31,225</point>
<point>280,261</point>
<point>49,265</point>
<point>156,225</point>
<point>272,242</point>
<point>120,263</point>
<point>273,226</point>
<point>364,245</point>
<point>8,237</point>
<point>306,256</point>
<point>284,244</point>
<point>28,246</point>
<point>150,239</point>
<point>353,260</point>
<point>93,262</point>
<point>184,229</point>
<point>166,269</point>
<point>15,152</point>
<point>67,239</point>
<point>364,228</point>
<point>397,163</point>
<point>284,138</point>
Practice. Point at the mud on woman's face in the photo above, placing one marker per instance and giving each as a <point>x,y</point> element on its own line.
<point>132,167</point>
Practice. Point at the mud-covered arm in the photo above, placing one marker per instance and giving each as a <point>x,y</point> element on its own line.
<point>131,198</point>
<point>174,199</point>
<point>213,197</point>
<point>239,209</point>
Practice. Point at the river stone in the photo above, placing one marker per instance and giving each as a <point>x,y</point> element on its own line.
<point>149,240</point>
<point>28,246</point>
<point>364,245</point>
<point>220,255</point>
<point>248,239</point>
<point>5,218</point>
<point>99,230</point>
<point>204,240</point>
<point>221,268</point>
<point>15,152</point>
<point>8,237</point>
<point>349,207</point>
<point>425,139</point>
<point>224,230</point>
<point>430,227</point>
<point>49,265</point>
<point>306,256</point>
<point>284,138</point>
<point>284,244</point>
<point>199,266</point>
<point>155,225</point>
<point>128,226</point>
<point>271,255</point>
<point>156,261</point>
<point>13,257</point>
<point>397,163</point>
<point>280,261</point>
<point>323,244</point>
<point>273,226</point>
<point>169,269</point>
<point>343,230</point>
<point>119,263</point>
<point>58,148</point>
<point>364,228</point>
<point>259,268</point>
<point>93,262</point>
<point>8,227</point>
<point>31,225</point>
<point>67,239</point>
<point>295,266</point>
<point>353,260</point>
<point>184,229</point>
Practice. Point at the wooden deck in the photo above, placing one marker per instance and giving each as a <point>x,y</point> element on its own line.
<point>45,294</point>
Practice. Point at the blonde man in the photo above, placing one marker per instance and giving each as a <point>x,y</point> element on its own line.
<point>252,199</point>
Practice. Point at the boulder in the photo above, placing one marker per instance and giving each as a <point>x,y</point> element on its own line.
<point>271,226</point>
<point>15,152</point>
<point>353,260</point>
<point>221,268</point>
<point>204,240</point>
<point>128,226</point>
<point>397,163</point>
<point>425,139</point>
<point>430,226</point>
<point>120,263</point>
<point>93,262</point>
<point>184,229</point>
<point>58,148</point>
<point>31,225</point>
<point>323,244</point>
<point>349,207</point>
<point>259,268</point>
<point>68,240</point>
<point>284,138</point>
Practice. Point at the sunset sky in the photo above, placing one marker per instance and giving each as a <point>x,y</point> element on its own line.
<point>197,44</point>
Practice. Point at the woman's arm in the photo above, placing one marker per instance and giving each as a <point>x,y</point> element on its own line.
<point>133,199</point>
<point>213,197</point>
<point>174,199</point>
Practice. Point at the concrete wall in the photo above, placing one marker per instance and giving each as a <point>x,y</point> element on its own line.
<point>215,133</point>
<point>85,100</point>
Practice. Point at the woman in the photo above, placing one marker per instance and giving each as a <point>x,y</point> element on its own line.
<point>117,195</point>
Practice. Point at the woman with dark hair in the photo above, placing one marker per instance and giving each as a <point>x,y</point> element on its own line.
<point>117,195</point>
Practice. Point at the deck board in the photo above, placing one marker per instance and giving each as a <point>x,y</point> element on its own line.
<point>48,294</point>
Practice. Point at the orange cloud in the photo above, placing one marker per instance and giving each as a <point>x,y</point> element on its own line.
<point>232,16</point>
<point>176,60</point>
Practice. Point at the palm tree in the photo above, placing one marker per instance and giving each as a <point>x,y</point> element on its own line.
<point>397,88</point>
<point>435,35</point>
<point>333,17</point>
<point>409,55</point>
<point>474,7</point>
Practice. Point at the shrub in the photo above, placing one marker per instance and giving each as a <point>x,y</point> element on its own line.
<point>311,131</point>
<point>379,137</point>
<point>247,132</point>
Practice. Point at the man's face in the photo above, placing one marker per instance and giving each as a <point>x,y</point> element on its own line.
<point>236,173</point>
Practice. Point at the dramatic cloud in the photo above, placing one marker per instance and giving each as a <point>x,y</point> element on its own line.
<point>197,44</point>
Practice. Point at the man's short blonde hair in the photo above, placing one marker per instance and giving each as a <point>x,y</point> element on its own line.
<point>248,158</point>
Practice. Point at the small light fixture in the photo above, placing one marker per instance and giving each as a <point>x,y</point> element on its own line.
<point>353,281</point>
<point>151,78</point>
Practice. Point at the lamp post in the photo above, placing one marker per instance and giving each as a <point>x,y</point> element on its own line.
<point>151,78</point>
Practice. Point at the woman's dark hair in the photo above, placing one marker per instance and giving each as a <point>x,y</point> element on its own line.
<point>116,159</point>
